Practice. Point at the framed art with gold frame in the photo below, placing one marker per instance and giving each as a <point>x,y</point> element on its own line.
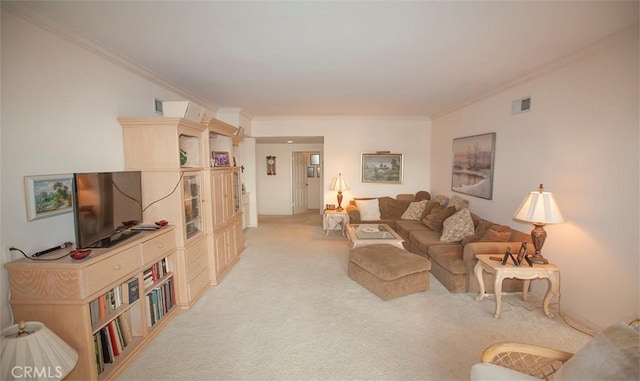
<point>382,167</point>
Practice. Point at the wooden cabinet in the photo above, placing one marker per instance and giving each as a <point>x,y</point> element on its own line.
<point>227,233</point>
<point>181,186</point>
<point>125,293</point>
<point>172,155</point>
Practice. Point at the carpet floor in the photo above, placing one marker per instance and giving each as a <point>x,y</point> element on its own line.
<point>289,311</point>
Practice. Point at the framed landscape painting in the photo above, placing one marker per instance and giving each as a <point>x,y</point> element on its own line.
<point>48,195</point>
<point>382,168</point>
<point>472,171</point>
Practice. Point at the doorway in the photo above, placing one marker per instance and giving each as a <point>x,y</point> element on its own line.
<point>307,181</point>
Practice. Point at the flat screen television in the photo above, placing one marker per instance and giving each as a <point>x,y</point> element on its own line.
<point>105,206</point>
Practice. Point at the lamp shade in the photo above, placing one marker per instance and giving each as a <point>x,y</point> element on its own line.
<point>339,184</point>
<point>32,351</point>
<point>539,207</point>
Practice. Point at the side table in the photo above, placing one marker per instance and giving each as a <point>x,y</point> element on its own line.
<point>524,272</point>
<point>333,218</point>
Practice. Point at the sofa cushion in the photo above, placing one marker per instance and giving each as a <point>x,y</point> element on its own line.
<point>457,227</point>
<point>487,231</point>
<point>392,209</point>
<point>369,209</point>
<point>415,211</point>
<point>404,227</point>
<point>436,217</point>
<point>422,195</point>
<point>496,233</point>
<point>420,240</point>
<point>612,354</point>
<point>459,202</point>
<point>441,199</point>
<point>448,256</point>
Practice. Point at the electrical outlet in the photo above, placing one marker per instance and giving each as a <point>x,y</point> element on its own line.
<point>11,255</point>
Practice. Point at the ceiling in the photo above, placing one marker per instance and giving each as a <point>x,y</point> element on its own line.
<point>385,58</point>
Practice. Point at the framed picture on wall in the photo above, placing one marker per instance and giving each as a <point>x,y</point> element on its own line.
<point>472,170</point>
<point>382,168</point>
<point>48,195</point>
<point>311,172</point>
<point>314,159</point>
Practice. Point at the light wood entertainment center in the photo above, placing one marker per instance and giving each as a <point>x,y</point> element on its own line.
<point>60,293</point>
<point>171,267</point>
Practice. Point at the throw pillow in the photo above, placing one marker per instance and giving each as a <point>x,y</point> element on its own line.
<point>441,199</point>
<point>481,227</point>
<point>369,209</point>
<point>431,204</point>
<point>395,208</point>
<point>414,211</point>
<point>457,227</point>
<point>459,202</point>
<point>437,216</point>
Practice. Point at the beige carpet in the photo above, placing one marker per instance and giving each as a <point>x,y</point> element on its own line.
<point>288,311</point>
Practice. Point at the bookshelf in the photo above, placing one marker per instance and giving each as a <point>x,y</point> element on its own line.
<point>101,306</point>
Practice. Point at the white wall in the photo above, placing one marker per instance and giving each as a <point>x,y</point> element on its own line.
<point>275,193</point>
<point>345,139</point>
<point>60,105</point>
<point>581,139</point>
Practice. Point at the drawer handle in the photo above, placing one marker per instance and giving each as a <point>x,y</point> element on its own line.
<point>117,267</point>
<point>159,246</point>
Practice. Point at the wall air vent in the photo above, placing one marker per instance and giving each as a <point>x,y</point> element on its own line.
<point>521,105</point>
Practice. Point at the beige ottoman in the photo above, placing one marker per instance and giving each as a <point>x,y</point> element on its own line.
<point>389,271</point>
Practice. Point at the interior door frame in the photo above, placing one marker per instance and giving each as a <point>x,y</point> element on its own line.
<point>299,184</point>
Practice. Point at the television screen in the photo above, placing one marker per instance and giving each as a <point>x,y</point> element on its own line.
<point>105,206</point>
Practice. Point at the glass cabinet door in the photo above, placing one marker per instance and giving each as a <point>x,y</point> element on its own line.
<point>192,198</point>
<point>236,191</point>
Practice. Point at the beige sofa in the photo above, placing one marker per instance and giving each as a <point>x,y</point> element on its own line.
<point>390,209</point>
<point>452,263</point>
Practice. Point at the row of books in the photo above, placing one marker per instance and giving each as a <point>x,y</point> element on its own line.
<point>126,293</point>
<point>111,340</point>
<point>155,272</point>
<point>159,301</point>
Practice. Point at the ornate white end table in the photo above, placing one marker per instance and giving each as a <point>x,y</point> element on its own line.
<point>524,272</point>
<point>333,219</point>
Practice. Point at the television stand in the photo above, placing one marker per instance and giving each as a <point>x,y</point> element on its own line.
<point>114,239</point>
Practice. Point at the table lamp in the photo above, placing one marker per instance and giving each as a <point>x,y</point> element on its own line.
<point>540,208</point>
<point>339,184</point>
<point>32,351</point>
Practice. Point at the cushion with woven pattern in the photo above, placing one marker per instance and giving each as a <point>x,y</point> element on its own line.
<point>414,211</point>
<point>457,227</point>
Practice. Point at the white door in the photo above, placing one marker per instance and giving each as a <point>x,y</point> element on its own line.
<point>314,182</point>
<point>300,191</point>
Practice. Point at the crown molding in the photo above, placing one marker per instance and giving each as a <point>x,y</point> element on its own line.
<point>566,60</point>
<point>31,14</point>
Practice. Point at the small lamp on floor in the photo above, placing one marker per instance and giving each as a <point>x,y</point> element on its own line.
<point>339,184</point>
<point>32,351</point>
<point>540,208</point>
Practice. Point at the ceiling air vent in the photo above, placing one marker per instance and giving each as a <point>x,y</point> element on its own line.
<point>521,105</point>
